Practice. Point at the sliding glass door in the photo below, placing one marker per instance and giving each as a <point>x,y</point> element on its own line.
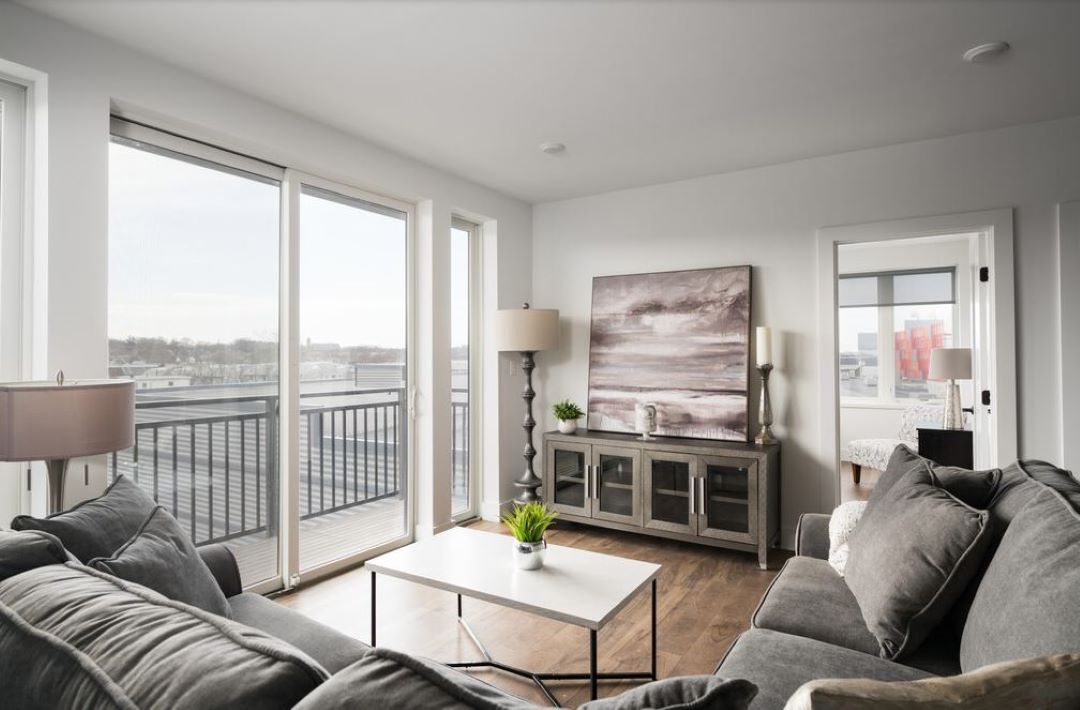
<point>353,420</point>
<point>194,237</point>
<point>197,256</point>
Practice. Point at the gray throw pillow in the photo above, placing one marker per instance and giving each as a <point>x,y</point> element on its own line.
<point>911,557</point>
<point>99,526</point>
<point>976,488</point>
<point>22,551</point>
<point>160,556</point>
<point>390,679</point>
<point>1028,602</point>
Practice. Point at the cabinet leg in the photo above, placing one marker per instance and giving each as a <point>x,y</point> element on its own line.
<point>856,472</point>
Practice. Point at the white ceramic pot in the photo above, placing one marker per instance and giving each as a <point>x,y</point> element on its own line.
<point>568,426</point>
<point>529,555</point>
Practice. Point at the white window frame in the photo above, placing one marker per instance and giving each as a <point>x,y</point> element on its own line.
<point>475,378</point>
<point>14,277</point>
<point>886,344</point>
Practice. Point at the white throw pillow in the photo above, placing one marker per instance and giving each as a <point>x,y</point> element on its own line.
<point>841,525</point>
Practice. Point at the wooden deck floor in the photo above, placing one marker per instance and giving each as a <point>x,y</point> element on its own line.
<point>326,538</point>
<point>706,599</point>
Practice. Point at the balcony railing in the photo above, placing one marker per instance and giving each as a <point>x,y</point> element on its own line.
<point>212,461</point>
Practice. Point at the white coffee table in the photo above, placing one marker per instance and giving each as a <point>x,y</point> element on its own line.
<point>575,586</point>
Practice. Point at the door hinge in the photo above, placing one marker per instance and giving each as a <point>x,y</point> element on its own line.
<point>984,273</point>
<point>986,398</point>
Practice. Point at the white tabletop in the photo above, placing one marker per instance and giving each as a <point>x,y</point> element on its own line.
<point>575,586</point>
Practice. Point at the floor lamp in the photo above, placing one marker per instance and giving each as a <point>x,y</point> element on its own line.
<point>59,421</point>
<point>527,330</point>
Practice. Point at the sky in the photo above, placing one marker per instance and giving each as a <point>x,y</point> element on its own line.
<point>193,253</point>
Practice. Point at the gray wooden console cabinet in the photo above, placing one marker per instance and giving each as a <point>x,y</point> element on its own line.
<point>719,493</point>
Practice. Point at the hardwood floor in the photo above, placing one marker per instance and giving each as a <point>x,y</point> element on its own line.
<point>706,599</point>
<point>850,491</point>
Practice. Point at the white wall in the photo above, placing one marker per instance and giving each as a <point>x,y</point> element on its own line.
<point>768,217</point>
<point>86,75</point>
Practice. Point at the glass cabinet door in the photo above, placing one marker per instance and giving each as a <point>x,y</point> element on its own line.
<point>727,489</point>
<point>616,491</point>
<point>669,502</point>
<point>567,480</point>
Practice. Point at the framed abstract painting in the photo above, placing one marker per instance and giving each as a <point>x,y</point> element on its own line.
<point>679,340</point>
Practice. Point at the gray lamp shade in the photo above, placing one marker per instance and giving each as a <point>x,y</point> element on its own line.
<point>44,420</point>
<point>950,364</point>
<point>527,329</point>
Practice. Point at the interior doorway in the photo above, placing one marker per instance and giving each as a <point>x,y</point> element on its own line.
<point>893,293</point>
<point>898,301</point>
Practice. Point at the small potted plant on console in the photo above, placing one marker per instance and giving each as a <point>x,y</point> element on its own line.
<point>527,523</point>
<point>567,413</point>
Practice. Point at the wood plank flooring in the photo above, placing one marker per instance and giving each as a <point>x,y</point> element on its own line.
<point>706,599</point>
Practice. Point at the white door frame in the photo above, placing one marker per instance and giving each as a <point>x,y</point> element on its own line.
<point>995,228</point>
<point>1069,252</point>
<point>289,416</point>
<point>475,354</point>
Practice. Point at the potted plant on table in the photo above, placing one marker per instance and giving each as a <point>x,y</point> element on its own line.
<point>527,524</point>
<point>567,413</point>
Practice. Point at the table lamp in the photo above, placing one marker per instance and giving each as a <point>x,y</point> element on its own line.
<point>527,330</point>
<point>951,364</point>
<point>58,421</point>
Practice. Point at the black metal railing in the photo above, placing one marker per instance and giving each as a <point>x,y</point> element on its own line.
<point>213,461</point>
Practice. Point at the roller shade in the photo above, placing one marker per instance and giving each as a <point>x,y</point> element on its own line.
<point>898,288</point>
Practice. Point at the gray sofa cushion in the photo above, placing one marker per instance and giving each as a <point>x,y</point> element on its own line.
<point>1028,604</point>
<point>1020,483</point>
<point>779,663</point>
<point>160,556</point>
<point>976,488</point>
<point>22,551</point>
<point>62,677</point>
<point>332,649</point>
<point>812,535</point>
<point>389,679</point>
<point>99,526</point>
<point>161,653</point>
<point>808,598</point>
<point>911,557</point>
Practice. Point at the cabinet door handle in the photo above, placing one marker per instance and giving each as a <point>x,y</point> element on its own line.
<point>701,496</point>
<point>693,496</point>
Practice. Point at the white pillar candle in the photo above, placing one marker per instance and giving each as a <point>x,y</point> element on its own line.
<point>764,345</point>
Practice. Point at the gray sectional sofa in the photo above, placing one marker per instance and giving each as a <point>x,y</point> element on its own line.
<point>1024,602</point>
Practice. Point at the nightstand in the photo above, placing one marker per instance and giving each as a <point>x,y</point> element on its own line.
<point>951,447</point>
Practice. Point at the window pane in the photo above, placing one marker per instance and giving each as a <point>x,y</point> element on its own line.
<point>918,330</point>
<point>935,287</point>
<point>460,374</point>
<point>353,306</point>
<point>193,318</point>
<point>858,335</point>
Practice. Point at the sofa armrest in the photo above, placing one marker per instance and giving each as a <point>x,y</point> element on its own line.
<point>812,535</point>
<point>223,566</point>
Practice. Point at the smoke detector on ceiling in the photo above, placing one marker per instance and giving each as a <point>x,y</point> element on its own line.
<point>551,147</point>
<point>986,52</point>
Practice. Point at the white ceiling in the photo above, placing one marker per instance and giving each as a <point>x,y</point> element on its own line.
<point>640,92</point>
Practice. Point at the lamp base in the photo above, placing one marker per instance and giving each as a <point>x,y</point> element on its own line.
<point>57,469</point>
<point>954,414</point>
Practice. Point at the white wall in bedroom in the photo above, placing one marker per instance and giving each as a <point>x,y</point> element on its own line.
<point>86,74</point>
<point>768,217</point>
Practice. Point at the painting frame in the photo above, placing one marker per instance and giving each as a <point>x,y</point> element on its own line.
<point>601,414</point>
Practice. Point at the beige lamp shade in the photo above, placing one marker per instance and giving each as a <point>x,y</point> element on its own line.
<point>527,329</point>
<point>44,420</point>
<point>950,364</point>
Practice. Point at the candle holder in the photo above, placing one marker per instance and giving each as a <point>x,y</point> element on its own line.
<point>765,435</point>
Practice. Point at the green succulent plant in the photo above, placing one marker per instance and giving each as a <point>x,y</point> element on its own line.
<point>567,411</point>
<point>528,522</point>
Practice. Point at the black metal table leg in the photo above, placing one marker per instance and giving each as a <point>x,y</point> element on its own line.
<point>459,606</point>
<point>654,629</point>
<point>592,664</point>
<point>373,610</point>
